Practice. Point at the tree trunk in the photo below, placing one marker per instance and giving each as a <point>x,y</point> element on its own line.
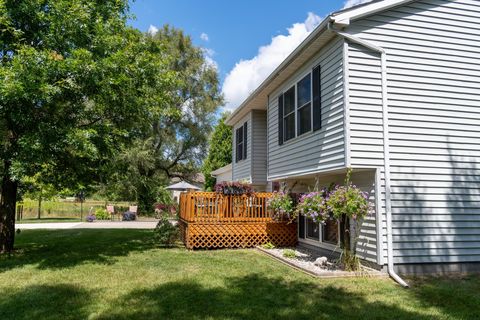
<point>7,211</point>
<point>39,213</point>
<point>345,232</point>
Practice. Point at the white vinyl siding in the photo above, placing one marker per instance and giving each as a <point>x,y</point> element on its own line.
<point>259,147</point>
<point>242,169</point>
<point>433,72</point>
<point>254,167</point>
<point>322,149</point>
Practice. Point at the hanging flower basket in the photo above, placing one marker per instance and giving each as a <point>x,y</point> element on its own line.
<point>281,203</point>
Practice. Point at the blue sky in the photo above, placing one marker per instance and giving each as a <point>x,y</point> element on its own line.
<point>245,39</point>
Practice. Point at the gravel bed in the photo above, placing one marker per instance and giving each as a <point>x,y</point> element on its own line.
<point>305,259</point>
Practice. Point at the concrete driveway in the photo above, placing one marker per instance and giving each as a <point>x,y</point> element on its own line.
<point>90,225</point>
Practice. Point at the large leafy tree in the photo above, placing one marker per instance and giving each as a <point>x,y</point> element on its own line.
<point>76,84</point>
<point>219,152</point>
<point>172,147</point>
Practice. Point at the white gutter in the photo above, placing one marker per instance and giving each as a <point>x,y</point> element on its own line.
<point>386,146</point>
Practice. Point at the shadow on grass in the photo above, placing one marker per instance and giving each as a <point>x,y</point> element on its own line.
<point>457,296</point>
<point>45,302</point>
<point>57,249</point>
<point>253,297</point>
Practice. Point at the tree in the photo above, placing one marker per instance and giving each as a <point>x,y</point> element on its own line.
<point>172,146</point>
<point>219,152</point>
<point>37,190</point>
<point>76,84</point>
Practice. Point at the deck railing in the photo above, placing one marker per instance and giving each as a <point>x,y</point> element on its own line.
<point>211,207</point>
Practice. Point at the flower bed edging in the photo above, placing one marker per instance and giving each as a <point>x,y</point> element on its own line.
<point>366,272</point>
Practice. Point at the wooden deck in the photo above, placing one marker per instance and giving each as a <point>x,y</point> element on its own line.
<point>212,220</point>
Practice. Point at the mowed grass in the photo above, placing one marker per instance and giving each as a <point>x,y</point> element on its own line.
<point>122,274</point>
<point>47,220</point>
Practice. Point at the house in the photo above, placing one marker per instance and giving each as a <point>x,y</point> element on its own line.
<point>391,89</point>
<point>223,174</point>
<point>179,185</point>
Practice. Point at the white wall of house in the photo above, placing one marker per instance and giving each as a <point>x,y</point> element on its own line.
<point>242,170</point>
<point>259,147</point>
<point>433,72</point>
<point>223,174</point>
<point>313,151</point>
<point>254,168</point>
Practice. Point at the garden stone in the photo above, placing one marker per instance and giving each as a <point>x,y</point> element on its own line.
<point>320,262</point>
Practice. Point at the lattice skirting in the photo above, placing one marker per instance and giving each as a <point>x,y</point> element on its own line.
<point>238,235</point>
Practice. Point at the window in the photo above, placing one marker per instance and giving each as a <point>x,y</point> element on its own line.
<point>299,108</point>
<point>304,106</point>
<point>241,135</point>
<point>313,229</point>
<point>330,232</point>
<point>327,232</point>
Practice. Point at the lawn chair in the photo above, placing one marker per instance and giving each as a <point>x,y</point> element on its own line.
<point>111,210</point>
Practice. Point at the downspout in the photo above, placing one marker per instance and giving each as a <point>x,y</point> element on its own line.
<point>386,148</point>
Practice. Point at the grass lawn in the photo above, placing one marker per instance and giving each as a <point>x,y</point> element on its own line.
<point>121,274</point>
<point>47,220</point>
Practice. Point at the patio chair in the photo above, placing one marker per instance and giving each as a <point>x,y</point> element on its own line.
<point>111,211</point>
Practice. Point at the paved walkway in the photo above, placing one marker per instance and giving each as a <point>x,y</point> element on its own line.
<point>90,225</point>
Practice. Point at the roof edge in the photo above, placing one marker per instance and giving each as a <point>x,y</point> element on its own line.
<point>341,18</point>
<point>317,31</point>
<point>221,170</point>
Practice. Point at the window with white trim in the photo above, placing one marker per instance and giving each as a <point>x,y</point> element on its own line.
<point>299,108</point>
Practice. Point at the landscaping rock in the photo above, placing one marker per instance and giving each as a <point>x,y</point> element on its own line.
<point>320,262</point>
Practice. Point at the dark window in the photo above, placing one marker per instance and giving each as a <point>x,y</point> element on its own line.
<point>245,139</point>
<point>289,114</point>
<point>304,91</point>
<point>313,230</point>
<point>330,232</point>
<point>304,119</point>
<point>301,226</point>
<point>239,142</point>
<point>241,136</point>
<point>304,110</point>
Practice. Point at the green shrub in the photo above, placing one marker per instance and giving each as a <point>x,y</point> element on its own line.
<point>102,214</point>
<point>289,253</point>
<point>268,245</point>
<point>166,234</point>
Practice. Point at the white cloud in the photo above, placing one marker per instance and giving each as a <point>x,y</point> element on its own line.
<point>351,3</point>
<point>204,36</point>
<point>152,29</point>
<point>208,55</point>
<point>247,75</point>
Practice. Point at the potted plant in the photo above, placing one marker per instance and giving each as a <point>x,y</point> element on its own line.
<point>281,203</point>
<point>347,203</point>
<point>233,188</point>
<point>312,205</point>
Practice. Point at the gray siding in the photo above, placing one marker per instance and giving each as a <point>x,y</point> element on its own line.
<point>259,147</point>
<point>242,170</point>
<point>314,151</point>
<point>433,71</point>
